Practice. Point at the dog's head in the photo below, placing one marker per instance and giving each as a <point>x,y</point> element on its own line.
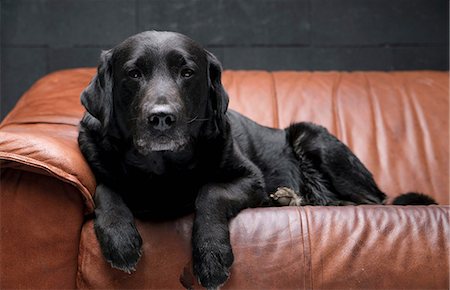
<point>159,89</point>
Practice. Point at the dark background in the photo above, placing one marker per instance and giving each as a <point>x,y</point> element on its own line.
<point>40,36</point>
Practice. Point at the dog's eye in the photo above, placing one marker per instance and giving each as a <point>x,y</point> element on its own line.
<point>187,73</point>
<point>134,73</point>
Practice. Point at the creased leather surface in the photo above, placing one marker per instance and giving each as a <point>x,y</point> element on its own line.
<point>48,149</point>
<point>364,247</point>
<point>252,93</point>
<point>379,247</point>
<point>54,99</point>
<point>397,123</point>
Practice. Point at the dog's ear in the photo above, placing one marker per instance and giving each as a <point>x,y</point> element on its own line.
<point>97,96</point>
<point>217,94</point>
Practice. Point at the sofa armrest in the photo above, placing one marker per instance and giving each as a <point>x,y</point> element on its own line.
<point>46,185</point>
<point>47,149</point>
<point>351,247</point>
<point>40,134</point>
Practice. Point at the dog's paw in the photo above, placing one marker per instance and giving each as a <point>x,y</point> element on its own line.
<point>120,244</point>
<point>212,264</point>
<point>285,196</point>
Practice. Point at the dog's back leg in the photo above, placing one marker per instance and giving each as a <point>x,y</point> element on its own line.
<point>330,174</point>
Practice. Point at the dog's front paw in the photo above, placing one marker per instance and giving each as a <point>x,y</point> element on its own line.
<point>120,244</point>
<point>212,262</point>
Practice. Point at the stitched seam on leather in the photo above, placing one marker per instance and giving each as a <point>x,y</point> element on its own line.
<point>3,125</point>
<point>292,245</point>
<point>336,118</point>
<point>276,114</point>
<point>81,283</point>
<point>301,211</point>
<point>420,118</point>
<point>373,109</point>
<point>54,171</point>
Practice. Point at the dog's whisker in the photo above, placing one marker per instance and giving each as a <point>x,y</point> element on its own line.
<point>195,119</point>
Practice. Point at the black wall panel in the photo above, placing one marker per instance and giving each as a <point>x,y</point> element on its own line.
<point>40,36</point>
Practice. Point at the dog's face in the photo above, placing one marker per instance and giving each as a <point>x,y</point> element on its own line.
<point>158,89</point>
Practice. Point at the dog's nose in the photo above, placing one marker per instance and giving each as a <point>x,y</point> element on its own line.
<point>161,121</point>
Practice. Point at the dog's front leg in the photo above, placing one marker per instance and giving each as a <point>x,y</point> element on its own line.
<point>215,206</point>
<point>119,239</point>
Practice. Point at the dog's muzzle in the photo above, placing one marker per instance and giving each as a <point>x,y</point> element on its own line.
<point>160,129</point>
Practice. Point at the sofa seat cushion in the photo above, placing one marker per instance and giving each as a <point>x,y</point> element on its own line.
<point>352,247</point>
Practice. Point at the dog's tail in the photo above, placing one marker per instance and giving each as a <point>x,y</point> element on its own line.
<point>413,198</point>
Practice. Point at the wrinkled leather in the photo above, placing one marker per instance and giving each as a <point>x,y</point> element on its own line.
<point>364,247</point>
<point>396,122</point>
<point>40,133</point>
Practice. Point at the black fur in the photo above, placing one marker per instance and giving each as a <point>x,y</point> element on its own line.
<point>413,198</point>
<point>195,155</point>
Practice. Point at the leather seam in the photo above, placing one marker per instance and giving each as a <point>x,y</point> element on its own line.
<point>55,172</point>
<point>276,116</point>
<point>81,257</point>
<point>334,103</point>
<point>308,279</point>
<point>6,124</point>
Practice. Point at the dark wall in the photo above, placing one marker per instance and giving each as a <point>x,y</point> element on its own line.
<point>40,36</point>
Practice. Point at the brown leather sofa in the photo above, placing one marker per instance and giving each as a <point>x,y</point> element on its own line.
<point>396,122</point>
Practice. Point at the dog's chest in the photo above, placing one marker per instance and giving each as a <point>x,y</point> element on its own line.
<point>162,197</point>
<point>158,188</point>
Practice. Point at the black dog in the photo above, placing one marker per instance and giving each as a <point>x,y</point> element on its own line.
<point>161,143</point>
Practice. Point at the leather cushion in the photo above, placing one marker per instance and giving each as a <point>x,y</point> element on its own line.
<point>362,247</point>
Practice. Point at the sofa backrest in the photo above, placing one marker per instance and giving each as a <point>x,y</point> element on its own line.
<point>395,122</point>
